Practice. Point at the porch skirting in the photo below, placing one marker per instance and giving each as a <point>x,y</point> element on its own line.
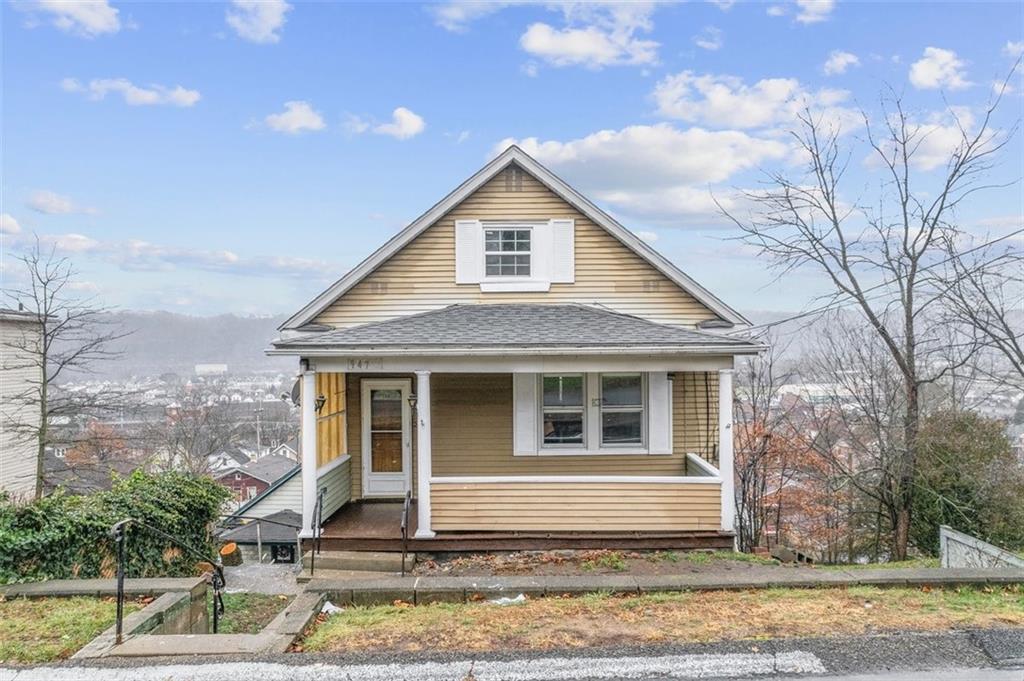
<point>591,506</point>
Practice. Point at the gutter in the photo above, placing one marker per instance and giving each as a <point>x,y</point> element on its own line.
<point>501,351</point>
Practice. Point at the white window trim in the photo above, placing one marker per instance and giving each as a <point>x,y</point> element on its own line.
<point>592,421</point>
<point>541,408</point>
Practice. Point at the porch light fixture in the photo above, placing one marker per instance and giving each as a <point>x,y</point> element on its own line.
<point>412,401</point>
<point>319,403</point>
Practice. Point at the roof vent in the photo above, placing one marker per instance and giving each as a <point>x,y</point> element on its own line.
<point>715,324</point>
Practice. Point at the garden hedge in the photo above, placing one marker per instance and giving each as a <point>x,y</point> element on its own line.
<point>64,536</point>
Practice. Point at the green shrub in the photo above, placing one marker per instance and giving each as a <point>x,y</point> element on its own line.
<point>65,536</point>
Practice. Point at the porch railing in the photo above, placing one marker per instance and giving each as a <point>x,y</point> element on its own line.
<point>317,528</point>
<point>405,527</point>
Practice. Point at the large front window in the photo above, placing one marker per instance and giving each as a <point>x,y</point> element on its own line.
<point>563,407</point>
<point>507,252</point>
<point>593,411</point>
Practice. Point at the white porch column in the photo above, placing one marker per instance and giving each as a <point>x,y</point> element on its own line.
<point>308,407</point>
<point>423,459</point>
<point>725,455</point>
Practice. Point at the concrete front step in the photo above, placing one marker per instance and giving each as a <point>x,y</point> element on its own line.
<point>344,575</point>
<point>359,561</point>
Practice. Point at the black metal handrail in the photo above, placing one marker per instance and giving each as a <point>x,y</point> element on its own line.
<point>119,533</point>
<point>405,526</point>
<point>317,522</point>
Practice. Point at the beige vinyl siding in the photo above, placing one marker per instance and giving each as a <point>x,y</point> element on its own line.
<point>695,414</point>
<point>421,276</point>
<point>576,506</point>
<point>472,432</point>
<point>20,377</point>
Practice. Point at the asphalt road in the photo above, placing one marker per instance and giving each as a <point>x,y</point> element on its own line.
<point>968,656</point>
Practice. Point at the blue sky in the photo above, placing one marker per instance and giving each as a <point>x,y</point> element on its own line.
<point>237,157</point>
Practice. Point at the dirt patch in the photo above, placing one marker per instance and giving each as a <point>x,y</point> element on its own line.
<point>598,620</point>
<point>590,563</point>
<point>248,613</point>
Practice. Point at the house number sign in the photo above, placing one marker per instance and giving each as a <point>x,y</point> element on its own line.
<point>366,363</point>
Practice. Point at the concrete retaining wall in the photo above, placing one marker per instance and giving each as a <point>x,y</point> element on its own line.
<point>959,550</point>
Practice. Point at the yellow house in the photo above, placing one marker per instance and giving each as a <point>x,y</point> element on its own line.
<point>527,370</point>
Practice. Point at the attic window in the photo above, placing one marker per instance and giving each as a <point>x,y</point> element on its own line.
<point>507,252</point>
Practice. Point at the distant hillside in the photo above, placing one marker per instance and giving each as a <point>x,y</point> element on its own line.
<point>167,341</point>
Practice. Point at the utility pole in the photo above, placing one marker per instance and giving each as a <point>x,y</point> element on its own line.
<point>259,439</point>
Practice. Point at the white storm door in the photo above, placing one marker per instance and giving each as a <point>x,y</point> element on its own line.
<point>387,437</point>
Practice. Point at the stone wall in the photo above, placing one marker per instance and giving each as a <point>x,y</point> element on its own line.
<point>959,550</point>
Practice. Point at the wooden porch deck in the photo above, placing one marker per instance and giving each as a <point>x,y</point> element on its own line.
<point>376,526</point>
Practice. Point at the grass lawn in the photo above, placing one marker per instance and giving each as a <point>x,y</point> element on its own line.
<point>601,619</point>
<point>246,613</point>
<point>47,629</point>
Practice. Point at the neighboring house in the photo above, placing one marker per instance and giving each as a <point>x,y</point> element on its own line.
<point>275,536</point>
<point>21,374</point>
<point>229,458</point>
<point>289,449</point>
<point>528,369</point>
<point>249,481</point>
<point>284,495</point>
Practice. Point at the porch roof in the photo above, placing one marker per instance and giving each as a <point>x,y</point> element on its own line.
<point>528,326</point>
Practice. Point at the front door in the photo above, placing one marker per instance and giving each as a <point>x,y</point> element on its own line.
<point>387,437</point>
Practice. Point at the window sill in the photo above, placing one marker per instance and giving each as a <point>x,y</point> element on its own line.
<point>514,286</point>
<point>608,451</point>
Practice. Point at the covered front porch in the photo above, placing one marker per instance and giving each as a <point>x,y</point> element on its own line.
<point>621,438</point>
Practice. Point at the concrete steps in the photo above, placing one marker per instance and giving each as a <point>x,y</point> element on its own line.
<point>342,575</point>
<point>359,561</point>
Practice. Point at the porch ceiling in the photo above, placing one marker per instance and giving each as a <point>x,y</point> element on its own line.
<point>555,328</point>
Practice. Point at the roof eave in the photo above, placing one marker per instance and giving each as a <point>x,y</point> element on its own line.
<point>505,350</point>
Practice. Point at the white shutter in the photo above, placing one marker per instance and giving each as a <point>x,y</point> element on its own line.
<point>563,251</point>
<point>469,251</point>
<point>659,402</point>
<point>524,414</point>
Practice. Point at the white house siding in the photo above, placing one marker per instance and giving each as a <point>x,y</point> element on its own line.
<point>288,496</point>
<point>20,374</point>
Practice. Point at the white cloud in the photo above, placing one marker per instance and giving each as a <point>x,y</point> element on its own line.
<point>806,11</point>
<point>838,62</point>
<point>132,94</point>
<point>456,16</point>
<point>355,124</point>
<point>813,11</point>
<point>52,203</point>
<point>8,225</point>
<point>725,101</point>
<point>724,5</point>
<point>530,69</point>
<point>459,137</point>
<point>654,171</point>
<point>297,117</point>
<point>939,68</point>
<point>938,135</point>
<point>404,124</point>
<point>709,39</point>
<point>1013,49</point>
<point>649,237</point>
<point>258,21</point>
<point>86,18</point>
<point>595,36</point>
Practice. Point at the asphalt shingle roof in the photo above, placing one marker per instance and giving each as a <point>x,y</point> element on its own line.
<point>515,325</point>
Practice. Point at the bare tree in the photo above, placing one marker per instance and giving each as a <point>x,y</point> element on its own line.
<point>195,428</point>
<point>883,256</point>
<point>74,334</point>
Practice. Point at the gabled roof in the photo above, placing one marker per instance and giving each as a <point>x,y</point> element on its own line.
<point>281,529</point>
<point>517,156</point>
<point>553,327</point>
<point>269,468</point>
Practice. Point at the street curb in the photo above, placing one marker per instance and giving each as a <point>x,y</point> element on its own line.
<point>422,590</point>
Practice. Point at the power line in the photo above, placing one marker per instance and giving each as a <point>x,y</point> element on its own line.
<point>842,303</point>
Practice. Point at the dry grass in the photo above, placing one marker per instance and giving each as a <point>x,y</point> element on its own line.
<point>48,629</point>
<point>600,619</point>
